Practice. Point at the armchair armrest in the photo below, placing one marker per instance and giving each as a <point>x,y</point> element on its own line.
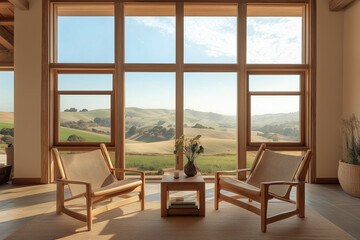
<point>291,183</point>
<point>126,170</point>
<point>142,174</point>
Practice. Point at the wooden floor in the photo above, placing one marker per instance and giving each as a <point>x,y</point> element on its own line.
<point>20,204</point>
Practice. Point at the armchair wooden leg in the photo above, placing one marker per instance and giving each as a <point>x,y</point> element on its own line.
<point>300,200</point>
<point>89,206</point>
<point>216,195</point>
<point>60,198</point>
<point>143,196</point>
<point>264,204</point>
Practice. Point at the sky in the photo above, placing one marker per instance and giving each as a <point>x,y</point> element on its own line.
<point>152,40</point>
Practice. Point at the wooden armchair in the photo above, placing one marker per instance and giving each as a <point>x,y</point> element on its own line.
<point>272,175</point>
<point>91,175</point>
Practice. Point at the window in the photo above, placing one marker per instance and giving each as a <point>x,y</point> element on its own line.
<point>6,110</point>
<point>150,35</point>
<point>274,34</point>
<point>210,33</point>
<point>84,108</point>
<point>150,121</point>
<point>211,113</point>
<point>138,75</point>
<point>85,33</point>
<point>275,108</point>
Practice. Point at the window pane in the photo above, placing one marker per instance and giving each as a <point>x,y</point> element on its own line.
<point>85,82</point>
<point>150,38</point>
<point>210,110</point>
<point>86,36</point>
<point>210,33</point>
<point>150,122</point>
<point>274,34</point>
<point>274,83</point>
<point>275,119</point>
<point>85,118</point>
<point>6,112</point>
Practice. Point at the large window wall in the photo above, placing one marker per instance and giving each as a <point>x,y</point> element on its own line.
<point>137,75</point>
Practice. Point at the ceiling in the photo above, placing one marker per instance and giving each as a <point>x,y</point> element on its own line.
<point>6,25</point>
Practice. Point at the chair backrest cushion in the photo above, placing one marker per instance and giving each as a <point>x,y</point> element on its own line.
<point>275,167</point>
<point>88,167</point>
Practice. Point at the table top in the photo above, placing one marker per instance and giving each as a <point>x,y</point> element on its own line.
<point>182,179</point>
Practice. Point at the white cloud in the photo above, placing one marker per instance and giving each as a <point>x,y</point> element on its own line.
<point>216,34</point>
<point>269,40</point>
<point>165,25</point>
<point>274,40</point>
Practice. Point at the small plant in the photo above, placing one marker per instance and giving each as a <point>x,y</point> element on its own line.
<point>351,131</point>
<point>190,147</point>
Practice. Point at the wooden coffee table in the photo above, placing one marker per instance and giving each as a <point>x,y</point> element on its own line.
<point>183,183</point>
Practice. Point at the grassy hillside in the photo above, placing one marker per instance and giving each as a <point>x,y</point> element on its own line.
<point>6,117</point>
<point>269,119</point>
<point>6,125</point>
<point>90,137</point>
<point>85,116</point>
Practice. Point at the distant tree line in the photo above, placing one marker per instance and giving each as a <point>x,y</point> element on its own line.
<point>157,133</point>
<point>75,110</point>
<point>272,131</point>
<point>198,125</point>
<point>85,126</point>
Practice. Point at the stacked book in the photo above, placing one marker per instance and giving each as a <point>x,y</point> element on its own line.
<point>181,203</point>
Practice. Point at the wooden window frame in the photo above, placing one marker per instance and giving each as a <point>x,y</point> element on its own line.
<point>58,93</point>
<point>301,93</point>
<point>307,68</point>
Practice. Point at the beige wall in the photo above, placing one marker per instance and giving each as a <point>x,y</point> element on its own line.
<point>351,85</point>
<point>329,89</point>
<point>27,63</point>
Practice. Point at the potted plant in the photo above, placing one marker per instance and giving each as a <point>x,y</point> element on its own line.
<point>191,148</point>
<point>349,166</point>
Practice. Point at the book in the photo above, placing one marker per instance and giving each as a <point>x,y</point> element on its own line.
<point>182,201</point>
<point>182,206</point>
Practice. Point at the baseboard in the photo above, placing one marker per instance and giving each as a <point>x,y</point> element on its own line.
<point>327,180</point>
<point>26,181</point>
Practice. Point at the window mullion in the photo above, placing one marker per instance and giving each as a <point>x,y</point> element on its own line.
<point>179,122</point>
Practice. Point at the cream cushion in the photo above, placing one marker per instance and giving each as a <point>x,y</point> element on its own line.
<point>240,187</point>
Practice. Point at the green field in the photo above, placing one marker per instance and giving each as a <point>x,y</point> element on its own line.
<point>90,137</point>
<point>6,125</point>
<point>206,164</point>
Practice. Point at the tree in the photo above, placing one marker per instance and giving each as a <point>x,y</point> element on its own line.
<point>75,138</point>
<point>7,139</point>
<point>7,131</point>
<point>84,110</point>
<point>71,110</point>
<point>105,122</point>
<point>131,131</point>
<point>161,122</point>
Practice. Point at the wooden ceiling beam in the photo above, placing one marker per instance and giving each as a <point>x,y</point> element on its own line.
<point>6,21</point>
<point>338,5</point>
<point>5,4</point>
<point>6,38</point>
<point>6,58</point>
<point>20,4</point>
